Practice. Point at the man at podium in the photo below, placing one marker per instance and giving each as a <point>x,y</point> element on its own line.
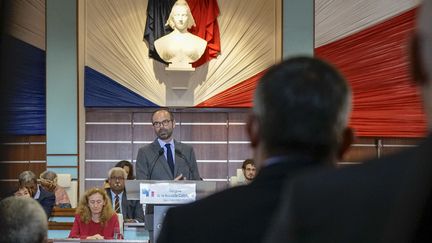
<point>166,158</point>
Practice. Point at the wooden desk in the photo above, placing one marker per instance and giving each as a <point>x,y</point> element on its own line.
<point>53,224</point>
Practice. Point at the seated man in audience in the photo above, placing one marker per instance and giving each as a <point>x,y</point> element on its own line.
<point>22,220</point>
<point>249,170</point>
<point>46,199</point>
<point>132,210</point>
<point>298,122</point>
<point>384,200</point>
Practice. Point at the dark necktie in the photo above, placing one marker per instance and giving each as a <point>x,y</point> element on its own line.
<point>169,157</point>
<point>117,204</point>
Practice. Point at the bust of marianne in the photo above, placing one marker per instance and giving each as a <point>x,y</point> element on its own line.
<point>180,48</point>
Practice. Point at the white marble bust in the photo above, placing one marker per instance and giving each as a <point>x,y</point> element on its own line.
<point>180,48</point>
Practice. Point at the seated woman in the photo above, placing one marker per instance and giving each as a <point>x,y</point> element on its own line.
<point>180,48</point>
<point>95,218</point>
<point>48,180</point>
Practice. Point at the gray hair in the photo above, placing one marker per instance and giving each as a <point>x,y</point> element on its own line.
<point>22,221</point>
<point>117,169</point>
<point>27,177</point>
<point>48,175</point>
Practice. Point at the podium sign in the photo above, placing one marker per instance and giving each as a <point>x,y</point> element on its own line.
<point>167,193</point>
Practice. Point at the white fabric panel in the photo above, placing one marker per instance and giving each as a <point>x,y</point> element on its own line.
<point>335,19</point>
<point>28,21</point>
<point>115,47</point>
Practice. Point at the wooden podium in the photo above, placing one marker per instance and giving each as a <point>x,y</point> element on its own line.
<point>155,211</point>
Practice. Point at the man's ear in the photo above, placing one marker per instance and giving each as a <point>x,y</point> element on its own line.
<point>253,129</point>
<point>347,140</point>
<point>418,72</point>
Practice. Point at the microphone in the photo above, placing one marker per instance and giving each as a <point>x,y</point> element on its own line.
<point>180,154</point>
<point>160,152</point>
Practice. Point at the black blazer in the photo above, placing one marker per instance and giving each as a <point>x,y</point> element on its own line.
<point>46,200</point>
<point>380,201</point>
<point>132,209</point>
<point>238,214</point>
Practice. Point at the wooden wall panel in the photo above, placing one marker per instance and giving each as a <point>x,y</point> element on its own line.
<point>218,136</point>
<point>20,153</point>
<point>145,133</point>
<point>108,151</point>
<point>109,133</point>
<point>211,133</point>
<point>94,115</point>
<point>213,170</point>
<point>210,151</point>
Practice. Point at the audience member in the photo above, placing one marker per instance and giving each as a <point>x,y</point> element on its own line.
<point>131,210</point>
<point>127,166</point>
<point>384,200</point>
<point>249,170</point>
<point>22,192</point>
<point>22,220</point>
<point>48,181</point>
<point>298,122</point>
<point>46,199</point>
<point>95,218</point>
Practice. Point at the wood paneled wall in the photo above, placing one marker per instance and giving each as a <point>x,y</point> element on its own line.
<point>20,153</point>
<point>218,137</point>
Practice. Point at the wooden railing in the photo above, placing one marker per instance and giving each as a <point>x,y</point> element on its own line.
<point>61,212</point>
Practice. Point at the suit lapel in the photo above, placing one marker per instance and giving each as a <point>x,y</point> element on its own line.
<point>124,205</point>
<point>177,158</point>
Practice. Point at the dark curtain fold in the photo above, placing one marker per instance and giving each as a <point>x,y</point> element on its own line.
<point>157,15</point>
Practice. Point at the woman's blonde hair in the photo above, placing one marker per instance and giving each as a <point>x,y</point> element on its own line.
<point>83,208</point>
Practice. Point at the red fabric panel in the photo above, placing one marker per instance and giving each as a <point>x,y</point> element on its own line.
<point>240,95</point>
<point>205,13</point>
<point>375,62</point>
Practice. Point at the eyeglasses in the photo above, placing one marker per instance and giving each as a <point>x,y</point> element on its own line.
<point>117,178</point>
<point>159,124</point>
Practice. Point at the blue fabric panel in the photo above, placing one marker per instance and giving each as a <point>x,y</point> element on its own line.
<point>102,91</point>
<point>23,74</point>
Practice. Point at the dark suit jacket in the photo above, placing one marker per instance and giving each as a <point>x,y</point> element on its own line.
<point>131,209</point>
<point>185,163</point>
<point>238,214</point>
<point>380,201</point>
<point>46,200</point>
